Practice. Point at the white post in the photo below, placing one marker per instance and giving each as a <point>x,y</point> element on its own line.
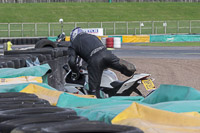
<point>152,27</point>
<point>135,31</point>
<point>178,26</point>
<point>49,29</point>
<point>75,24</point>
<point>114,28</point>
<point>156,29</point>
<point>8,29</point>
<point>141,25</point>
<point>22,29</point>
<point>35,29</point>
<point>127,28</point>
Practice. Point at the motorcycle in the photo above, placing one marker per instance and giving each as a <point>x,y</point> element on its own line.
<point>110,85</point>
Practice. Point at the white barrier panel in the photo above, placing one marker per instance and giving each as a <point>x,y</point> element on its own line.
<point>94,31</point>
<point>117,42</point>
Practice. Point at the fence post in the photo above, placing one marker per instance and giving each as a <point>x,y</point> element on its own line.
<point>127,28</point>
<point>114,28</point>
<point>8,29</point>
<point>49,29</point>
<point>35,29</point>
<point>140,28</point>
<point>152,27</point>
<point>22,29</point>
<point>177,26</point>
<point>75,24</point>
<point>135,31</point>
<point>190,27</point>
<point>156,29</point>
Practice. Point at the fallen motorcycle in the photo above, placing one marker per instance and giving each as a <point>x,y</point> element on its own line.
<point>110,85</point>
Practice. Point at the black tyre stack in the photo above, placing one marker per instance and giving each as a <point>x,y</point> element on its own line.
<point>18,109</point>
<point>26,113</point>
<point>22,41</point>
<point>55,57</point>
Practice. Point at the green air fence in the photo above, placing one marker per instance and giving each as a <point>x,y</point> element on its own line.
<point>52,38</point>
<point>171,98</point>
<point>174,38</point>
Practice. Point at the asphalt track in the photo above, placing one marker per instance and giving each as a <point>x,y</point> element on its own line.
<point>131,51</point>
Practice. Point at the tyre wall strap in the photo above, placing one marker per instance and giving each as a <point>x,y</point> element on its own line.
<point>50,95</point>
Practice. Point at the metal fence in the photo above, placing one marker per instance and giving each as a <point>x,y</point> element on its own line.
<point>39,1</point>
<point>109,28</point>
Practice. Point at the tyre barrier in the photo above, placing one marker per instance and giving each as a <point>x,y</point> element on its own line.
<point>31,118</point>
<point>13,114</point>
<point>55,57</point>
<point>74,125</point>
<point>54,52</point>
<point>13,61</point>
<point>113,42</point>
<point>110,42</point>
<point>45,43</point>
<point>22,41</point>
<point>20,106</point>
<point>17,94</point>
<point>90,126</point>
<point>44,120</point>
<point>37,127</point>
<point>34,112</point>
<point>117,42</point>
<point>16,61</point>
<point>22,59</point>
<point>24,101</point>
<point>17,98</point>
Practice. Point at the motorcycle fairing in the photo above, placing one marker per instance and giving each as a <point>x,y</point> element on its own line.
<point>128,83</point>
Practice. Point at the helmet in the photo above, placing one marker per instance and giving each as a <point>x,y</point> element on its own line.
<point>75,32</point>
<point>63,33</point>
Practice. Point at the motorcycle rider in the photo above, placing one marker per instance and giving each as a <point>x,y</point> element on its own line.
<point>61,37</point>
<point>98,58</point>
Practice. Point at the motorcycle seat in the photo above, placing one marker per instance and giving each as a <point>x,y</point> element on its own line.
<point>117,83</point>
